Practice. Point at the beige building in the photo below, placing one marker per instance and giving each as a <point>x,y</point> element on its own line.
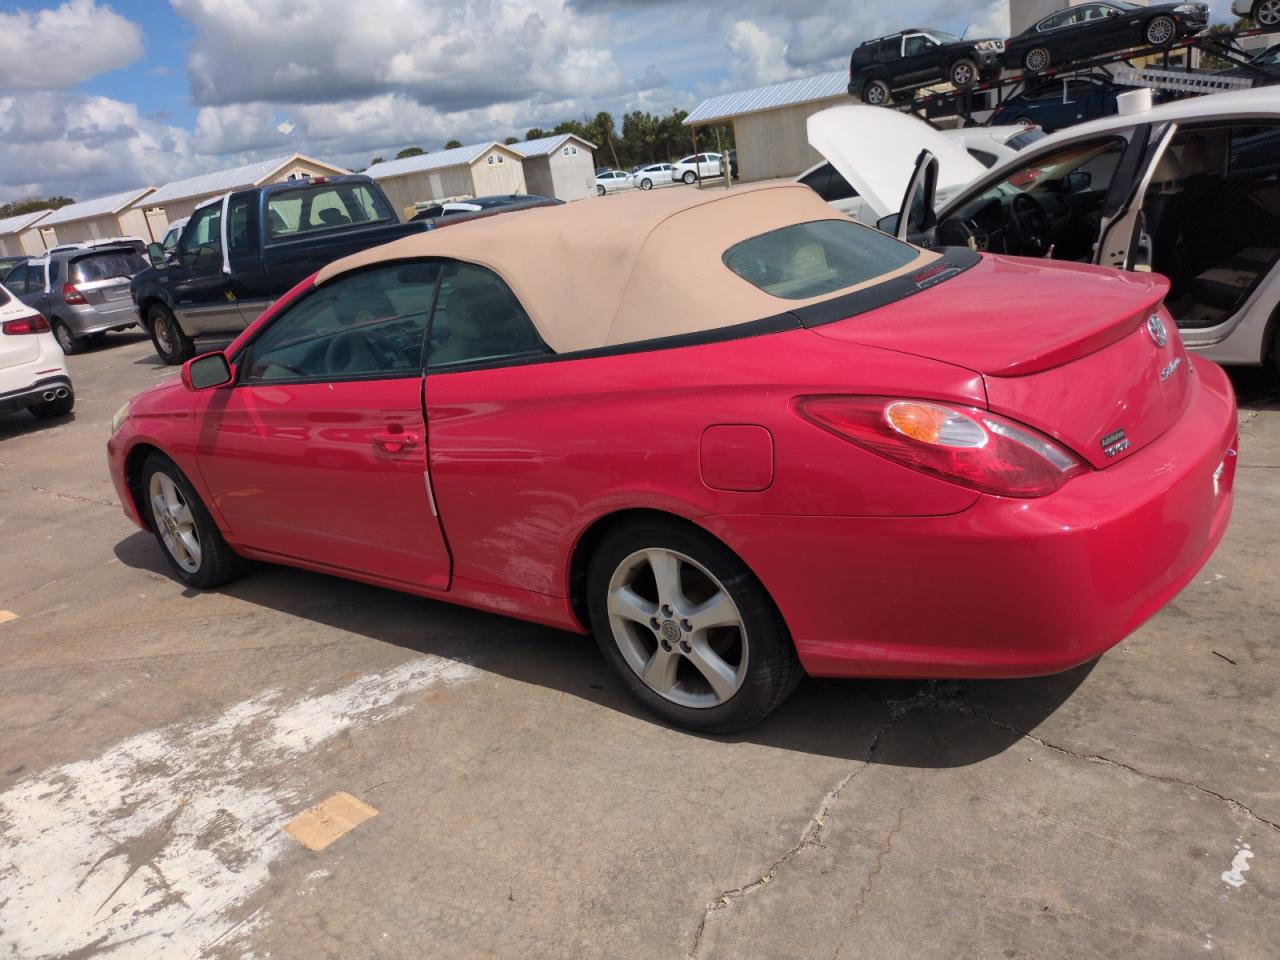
<point>178,199</point>
<point>561,166</point>
<point>769,123</point>
<point>100,219</point>
<point>20,235</point>
<point>482,169</point>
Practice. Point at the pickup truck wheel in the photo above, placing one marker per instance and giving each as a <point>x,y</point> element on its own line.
<point>963,73</point>
<point>67,340</point>
<point>875,93</point>
<point>171,343</point>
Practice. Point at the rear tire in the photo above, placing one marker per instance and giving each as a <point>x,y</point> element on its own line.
<point>67,340</point>
<point>1266,13</point>
<point>876,93</point>
<point>174,346</point>
<point>963,73</point>
<point>54,408</point>
<point>689,176</point>
<point>1024,122</point>
<point>646,184</point>
<point>1037,60</point>
<point>189,539</point>
<point>716,678</point>
<point>1160,31</point>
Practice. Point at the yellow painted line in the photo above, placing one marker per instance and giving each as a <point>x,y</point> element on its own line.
<point>329,820</point>
<point>7,615</point>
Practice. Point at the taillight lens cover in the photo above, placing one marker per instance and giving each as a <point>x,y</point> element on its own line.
<point>25,325</point>
<point>965,445</point>
<point>72,296</point>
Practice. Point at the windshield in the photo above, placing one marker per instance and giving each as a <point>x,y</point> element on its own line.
<point>809,259</point>
<point>106,266</point>
<point>944,37</point>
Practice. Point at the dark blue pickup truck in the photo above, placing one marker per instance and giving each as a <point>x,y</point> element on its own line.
<point>238,253</point>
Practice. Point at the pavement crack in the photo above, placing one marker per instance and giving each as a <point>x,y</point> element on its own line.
<point>1231,802</point>
<point>930,695</point>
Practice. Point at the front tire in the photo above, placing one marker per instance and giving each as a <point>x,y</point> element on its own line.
<point>1161,31</point>
<point>599,190</point>
<point>1037,60</point>
<point>876,93</point>
<point>688,629</point>
<point>963,73</point>
<point>67,340</point>
<point>174,346</point>
<point>188,537</point>
<point>1266,13</point>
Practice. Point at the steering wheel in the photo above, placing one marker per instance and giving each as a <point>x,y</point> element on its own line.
<point>1030,226</point>
<point>357,351</point>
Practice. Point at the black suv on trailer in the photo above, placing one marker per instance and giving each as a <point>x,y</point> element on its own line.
<point>881,68</point>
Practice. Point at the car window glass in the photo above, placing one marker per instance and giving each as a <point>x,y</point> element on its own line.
<point>361,325</point>
<point>238,225</point>
<point>313,208</point>
<point>17,279</point>
<point>55,273</point>
<point>1255,150</point>
<point>810,259</point>
<point>106,266</point>
<point>203,237</point>
<point>478,319</point>
<point>916,45</point>
<point>889,48</point>
<point>983,157</point>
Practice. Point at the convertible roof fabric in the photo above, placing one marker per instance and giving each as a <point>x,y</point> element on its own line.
<point>627,268</point>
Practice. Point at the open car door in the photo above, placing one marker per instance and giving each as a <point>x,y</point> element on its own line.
<point>1123,241</point>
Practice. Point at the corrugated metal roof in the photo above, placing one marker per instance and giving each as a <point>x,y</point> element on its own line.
<point>785,94</point>
<point>22,221</point>
<point>545,145</point>
<point>456,157</point>
<point>95,208</point>
<point>220,181</point>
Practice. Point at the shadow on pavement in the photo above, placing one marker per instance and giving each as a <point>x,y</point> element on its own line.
<point>838,718</point>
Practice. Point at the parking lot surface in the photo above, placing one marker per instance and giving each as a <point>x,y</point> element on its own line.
<point>486,789</point>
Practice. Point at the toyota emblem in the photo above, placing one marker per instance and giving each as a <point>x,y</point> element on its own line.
<point>1155,327</point>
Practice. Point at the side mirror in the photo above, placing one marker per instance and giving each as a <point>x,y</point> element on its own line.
<point>208,371</point>
<point>1078,181</point>
<point>155,253</point>
<point>888,224</point>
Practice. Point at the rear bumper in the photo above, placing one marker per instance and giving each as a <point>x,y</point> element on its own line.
<point>31,395</point>
<point>1008,587</point>
<point>87,320</point>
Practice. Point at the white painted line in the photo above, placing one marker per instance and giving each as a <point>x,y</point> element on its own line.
<point>1239,865</point>
<point>161,840</point>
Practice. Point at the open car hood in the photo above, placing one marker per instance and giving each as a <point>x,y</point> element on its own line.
<point>875,149</point>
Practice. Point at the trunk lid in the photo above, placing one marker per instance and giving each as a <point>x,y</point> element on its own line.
<point>876,149</point>
<point>1064,348</point>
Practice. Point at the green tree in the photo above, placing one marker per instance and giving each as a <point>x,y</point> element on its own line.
<point>510,140</point>
<point>410,152</point>
<point>452,144</point>
<point>376,160</point>
<point>32,204</point>
<point>536,133</point>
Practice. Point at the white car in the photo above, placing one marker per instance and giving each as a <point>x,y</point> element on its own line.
<point>986,145</point>
<point>654,175</point>
<point>1185,189</point>
<point>1265,13</point>
<point>612,180</point>
<point>33,371</point>
<point>698,166</point>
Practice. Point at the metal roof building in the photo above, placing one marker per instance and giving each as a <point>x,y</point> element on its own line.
<point>113,216</point>
<point>560,166</point>
<point>178,199</point>
<point>769,122</point>
<point>478,170</point>
<point>20,235</point>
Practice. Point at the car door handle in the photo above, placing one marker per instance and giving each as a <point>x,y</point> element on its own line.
<point>395,442</point>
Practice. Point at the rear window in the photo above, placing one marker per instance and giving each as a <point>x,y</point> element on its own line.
<point>106,266</point>
<point>308,209</point>
<point>810,259</point>
<point>1020,141</point>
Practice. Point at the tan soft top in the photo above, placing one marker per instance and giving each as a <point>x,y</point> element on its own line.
<point>626,268</point>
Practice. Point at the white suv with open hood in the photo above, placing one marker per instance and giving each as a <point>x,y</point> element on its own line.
<point>1190,190</point>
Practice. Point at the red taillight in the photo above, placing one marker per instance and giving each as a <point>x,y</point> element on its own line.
<point>972,447</point>
<point>73,296</point>
<point>23,325</point>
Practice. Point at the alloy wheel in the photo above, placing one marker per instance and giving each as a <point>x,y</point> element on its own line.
<point>65,340</point>
<point>1267,13</point>
<point>875,94</point>
<point>962,75</point>
<point>678,628</point>
<point>175,522</point>
<point>1037,59</point>
<point>1160,31</point>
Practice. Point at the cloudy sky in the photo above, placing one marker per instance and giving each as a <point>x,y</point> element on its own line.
<point>99,97</point>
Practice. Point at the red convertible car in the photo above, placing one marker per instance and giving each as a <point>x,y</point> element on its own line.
<point>737,435</point>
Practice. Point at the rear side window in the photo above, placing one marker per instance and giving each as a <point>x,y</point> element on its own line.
<point>106,266</point>
<point>331,207</point>
<point>827,183</point>
<point>478,319</point>
<point>810,259</point>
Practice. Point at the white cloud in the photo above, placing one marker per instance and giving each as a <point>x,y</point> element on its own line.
<point>759,55</point>
<point>60,48</point>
